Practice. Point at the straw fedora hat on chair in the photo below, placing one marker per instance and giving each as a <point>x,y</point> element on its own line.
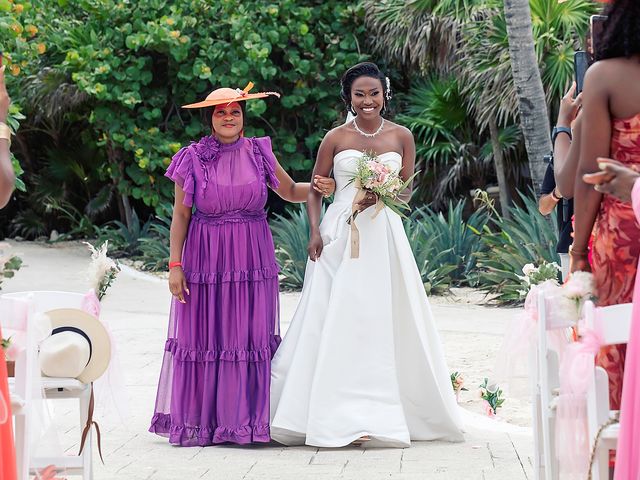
<point>78,347</point>
<point>225,96</point>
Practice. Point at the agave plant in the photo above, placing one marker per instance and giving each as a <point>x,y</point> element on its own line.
<point>123,240</point>
<point>291,237</point>
<point>527,237</point>
<point>154,250</point>
<point>445,246</point>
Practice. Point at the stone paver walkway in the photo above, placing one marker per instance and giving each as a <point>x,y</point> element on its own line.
<point>137,307</point>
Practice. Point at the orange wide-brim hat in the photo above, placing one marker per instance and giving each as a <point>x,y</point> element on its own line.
<point>225,96</point>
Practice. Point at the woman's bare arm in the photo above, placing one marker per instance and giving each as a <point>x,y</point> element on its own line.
<point>597,121</point>
<point>178,233</point>
<point>566,158</point>
<point>323,166</point>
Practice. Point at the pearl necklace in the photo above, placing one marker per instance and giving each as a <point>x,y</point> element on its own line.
<point>365,134</point>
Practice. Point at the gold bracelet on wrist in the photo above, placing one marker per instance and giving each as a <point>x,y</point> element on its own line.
<point>5,132</point>
<point>578,253</point>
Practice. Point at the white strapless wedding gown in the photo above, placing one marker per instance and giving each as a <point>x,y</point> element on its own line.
<point>362,355</point>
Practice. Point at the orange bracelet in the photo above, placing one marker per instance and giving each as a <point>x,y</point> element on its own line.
<point>174,264</point>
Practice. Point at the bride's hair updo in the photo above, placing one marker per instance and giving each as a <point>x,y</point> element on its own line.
<point>364,69</point>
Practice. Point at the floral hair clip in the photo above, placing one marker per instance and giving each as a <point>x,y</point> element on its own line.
<point>388,92</point>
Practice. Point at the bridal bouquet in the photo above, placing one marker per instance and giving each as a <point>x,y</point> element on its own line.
<point>374,176</point>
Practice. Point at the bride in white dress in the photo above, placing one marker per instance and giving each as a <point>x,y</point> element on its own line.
<point>362,359</point>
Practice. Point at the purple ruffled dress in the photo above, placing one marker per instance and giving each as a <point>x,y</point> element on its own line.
<point>215,378</point>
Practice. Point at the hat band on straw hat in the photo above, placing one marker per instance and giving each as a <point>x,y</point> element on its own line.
<point>79,332</point>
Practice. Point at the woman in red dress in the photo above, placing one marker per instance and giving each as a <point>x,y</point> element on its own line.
<point>611,119</point>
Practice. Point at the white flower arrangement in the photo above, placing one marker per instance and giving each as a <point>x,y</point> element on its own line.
<point>573,295</point>
<point>102,269</point>
<point>533,275</point>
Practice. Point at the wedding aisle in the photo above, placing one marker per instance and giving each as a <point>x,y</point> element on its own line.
<point>137,307</point>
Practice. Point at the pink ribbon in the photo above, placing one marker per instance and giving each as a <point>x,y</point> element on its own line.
<point>572,432</point>
<point>91,304</point>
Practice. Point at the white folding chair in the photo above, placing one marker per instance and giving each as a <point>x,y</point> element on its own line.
<point>546,384</point>
<point>54,388</point>
<point>614,324</point>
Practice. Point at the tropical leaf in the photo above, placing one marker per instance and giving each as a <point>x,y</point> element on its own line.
<point>451,151</point>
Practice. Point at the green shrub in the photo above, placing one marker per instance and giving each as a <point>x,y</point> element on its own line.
<point>444,246</point>
<point>528,237</point>
<point>112,75</point>
<point>291,237</point>
<point>154,250</point>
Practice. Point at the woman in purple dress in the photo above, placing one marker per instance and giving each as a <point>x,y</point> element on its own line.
<point>223,328</point>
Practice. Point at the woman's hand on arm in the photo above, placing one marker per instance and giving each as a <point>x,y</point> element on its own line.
<point>179,225</point>
<point>323,166</point>
<point>297,192</point>
<point>613,179</point>
<point>596,121</point>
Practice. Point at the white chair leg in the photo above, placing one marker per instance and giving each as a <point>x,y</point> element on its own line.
<point>538,458</point>
<point>22,447</point>
<point>87,464</point>
<point>552,462</point>
<point>546,443</point>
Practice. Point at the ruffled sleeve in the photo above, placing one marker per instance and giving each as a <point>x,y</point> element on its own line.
<point>269,162</point>
<point>180,170</point>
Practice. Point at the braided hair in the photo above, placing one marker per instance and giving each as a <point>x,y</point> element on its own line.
<point>364,69</point>
<point>621,31</point>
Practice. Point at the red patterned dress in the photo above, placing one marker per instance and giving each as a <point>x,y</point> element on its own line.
<point>616,249</point>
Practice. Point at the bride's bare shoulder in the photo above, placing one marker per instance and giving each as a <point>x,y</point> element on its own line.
<point>398,129</point>
<point>336,135</point>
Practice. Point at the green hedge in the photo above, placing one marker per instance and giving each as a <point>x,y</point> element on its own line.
<point>130,65</point>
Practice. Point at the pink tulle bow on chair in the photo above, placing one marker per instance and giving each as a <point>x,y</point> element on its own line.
<point>110,389</point>
<point>91,304</point>
<point>513,358</point>
<point>572,432</point>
